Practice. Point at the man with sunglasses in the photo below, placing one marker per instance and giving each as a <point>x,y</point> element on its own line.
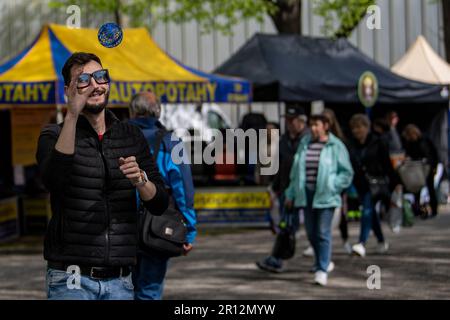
<point>93,164</point>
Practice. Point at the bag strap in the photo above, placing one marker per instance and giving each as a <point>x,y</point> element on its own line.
<point>288,217</point>
<point>157,145</point>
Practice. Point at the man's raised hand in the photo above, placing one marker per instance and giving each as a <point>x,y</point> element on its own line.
<point>77,98</point>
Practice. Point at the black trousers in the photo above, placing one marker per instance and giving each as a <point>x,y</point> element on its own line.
<point>343,226</point>
<point>432,192</point>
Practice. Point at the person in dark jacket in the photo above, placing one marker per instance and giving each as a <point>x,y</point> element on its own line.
<point>370,160</point>
<point>418,147</point>
<point>296,129</point>
<point>395,143</point>
<point>271,149</point>
<point>152,267</point>
<point>381,129</point>
<point>92,164</point>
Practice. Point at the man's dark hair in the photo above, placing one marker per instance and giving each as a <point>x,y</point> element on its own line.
<point>359,119</point>
<point>382,123</point>
<point>77,58</point>
<point>275,124</point>
<point>391,114</point>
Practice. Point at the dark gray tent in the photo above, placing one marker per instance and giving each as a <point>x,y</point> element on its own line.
<point>303,69</point>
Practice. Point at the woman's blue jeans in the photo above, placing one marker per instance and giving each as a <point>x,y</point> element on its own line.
<point>370,220</point>
<point>318,229</point>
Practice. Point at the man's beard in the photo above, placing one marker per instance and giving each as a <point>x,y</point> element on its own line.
<point>97,108</point>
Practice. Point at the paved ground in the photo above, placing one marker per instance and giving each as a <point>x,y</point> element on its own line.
<point>222,267</point>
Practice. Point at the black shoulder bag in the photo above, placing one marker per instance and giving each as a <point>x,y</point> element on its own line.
<point>164,234</point>
<point>378,184</point>
<point>284,246</point>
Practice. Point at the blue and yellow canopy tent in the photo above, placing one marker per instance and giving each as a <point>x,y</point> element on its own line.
<point>31,84</point>
<point>137,64</point>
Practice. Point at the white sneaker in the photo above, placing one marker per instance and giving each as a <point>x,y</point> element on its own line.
<point>348,247</point>
<point>330,266</point>
<point>309,252</point>
<point>359,249</point>
<point>321,278</point>
<point>383,247</point>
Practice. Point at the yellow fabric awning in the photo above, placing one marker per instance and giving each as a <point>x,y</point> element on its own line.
<point>137,58</point>
<point>136,64</point>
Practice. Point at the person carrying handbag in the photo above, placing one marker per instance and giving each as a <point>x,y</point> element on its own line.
<point>153,261</point>
<point>296,129</point>
<point>421,149</point>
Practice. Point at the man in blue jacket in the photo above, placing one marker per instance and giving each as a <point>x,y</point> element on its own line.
<point>151,268</point>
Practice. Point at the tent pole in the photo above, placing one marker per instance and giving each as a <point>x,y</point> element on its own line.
<point>59,114</point>
<point>279,113</point>
<point>369,112</point>
<point>238,106</point>
<point>448,138</point>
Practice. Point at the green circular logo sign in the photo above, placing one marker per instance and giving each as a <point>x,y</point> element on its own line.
<point>368,89</point>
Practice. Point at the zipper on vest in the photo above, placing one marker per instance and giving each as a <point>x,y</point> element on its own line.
<point>105,195</point>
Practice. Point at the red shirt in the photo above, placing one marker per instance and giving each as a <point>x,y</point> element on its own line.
<point>100,137</point>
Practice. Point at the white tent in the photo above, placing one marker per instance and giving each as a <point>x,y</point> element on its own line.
<point>422,63</point>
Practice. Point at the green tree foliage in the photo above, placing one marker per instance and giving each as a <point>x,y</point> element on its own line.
<point>222,15</point>
<point>219,15</point>
<point>347,12</point>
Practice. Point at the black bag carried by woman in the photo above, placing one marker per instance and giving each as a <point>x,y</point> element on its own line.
<point>284,247</point>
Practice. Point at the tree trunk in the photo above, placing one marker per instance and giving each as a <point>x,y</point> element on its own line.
<point>287,18</point>
<point>446,12</point>
<point>117,16</point>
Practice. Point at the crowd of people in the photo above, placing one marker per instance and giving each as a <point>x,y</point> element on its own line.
<point>109,179</point>
<point>320,167</point>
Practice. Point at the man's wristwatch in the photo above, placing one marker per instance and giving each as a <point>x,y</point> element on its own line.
<point>143,181</point>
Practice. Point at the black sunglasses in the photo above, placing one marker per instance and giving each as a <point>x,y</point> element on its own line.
<point>100,76</point>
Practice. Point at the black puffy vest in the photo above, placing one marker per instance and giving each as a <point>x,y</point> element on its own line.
<point>94,215</point>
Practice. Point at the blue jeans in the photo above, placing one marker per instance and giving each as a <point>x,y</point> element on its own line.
<point>370,220</point>
<point>149,276</point>
<point>89,289</point>
<point>318,229</point>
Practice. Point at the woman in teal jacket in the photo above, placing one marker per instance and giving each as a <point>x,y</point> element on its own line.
<point>321,171</point>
